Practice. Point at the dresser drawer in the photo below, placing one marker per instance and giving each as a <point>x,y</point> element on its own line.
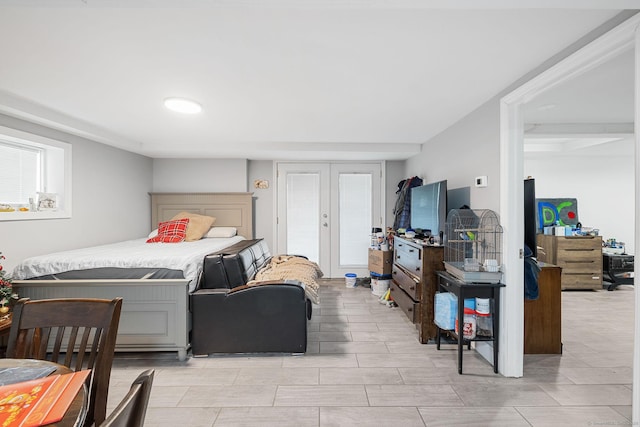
<point>579,243</point>
<point>584,266</point>
<point>581,281</point>
<point>406,304</point>
<point>409,257</point>
<point>580,256</point>
<point>408,283</point>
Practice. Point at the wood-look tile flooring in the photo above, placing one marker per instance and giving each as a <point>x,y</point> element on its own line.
<point>365,367</point>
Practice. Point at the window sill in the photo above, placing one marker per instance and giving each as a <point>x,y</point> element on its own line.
<point>31,216</point>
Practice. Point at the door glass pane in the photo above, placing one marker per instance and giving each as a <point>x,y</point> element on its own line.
<point>355,218</point>
<point>303,219</point>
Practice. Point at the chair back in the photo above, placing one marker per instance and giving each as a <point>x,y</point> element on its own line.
<point>79,333</point>
<point>131,411</point>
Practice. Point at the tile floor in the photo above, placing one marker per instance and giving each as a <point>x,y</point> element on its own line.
<point>365,367</point>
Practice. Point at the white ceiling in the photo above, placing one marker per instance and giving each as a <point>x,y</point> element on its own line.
<point>278,79</point>
<point>591,114</point>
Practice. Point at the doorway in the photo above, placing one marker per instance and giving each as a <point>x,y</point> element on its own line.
<point>511,146</point>
<point>325,211</point>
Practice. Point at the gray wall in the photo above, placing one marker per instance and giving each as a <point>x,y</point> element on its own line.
<point>110,200</point>
<point>263,199</point>
<point>462,152</point>
<point>200,175</point>
<point>601,179</point>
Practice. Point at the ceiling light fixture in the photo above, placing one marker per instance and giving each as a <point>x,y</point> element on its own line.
<point>182,105</point>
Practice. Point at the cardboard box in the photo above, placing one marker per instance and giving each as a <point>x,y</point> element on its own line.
<point>380,262</point>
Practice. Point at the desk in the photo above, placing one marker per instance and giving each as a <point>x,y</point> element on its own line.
<point>77,412</point>
<point>617,270</point>
<point>463,290</point>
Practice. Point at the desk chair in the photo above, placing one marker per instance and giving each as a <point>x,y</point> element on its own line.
<point>131,410</point>
<point>79,333</point>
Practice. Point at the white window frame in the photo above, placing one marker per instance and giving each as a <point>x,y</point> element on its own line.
<point>63,189</point>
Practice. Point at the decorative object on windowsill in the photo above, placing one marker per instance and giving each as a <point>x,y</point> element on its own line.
<point>7,294</point>
<point>6,208</point>
<point>47,201</point>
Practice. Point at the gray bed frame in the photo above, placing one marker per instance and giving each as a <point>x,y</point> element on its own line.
<point>155,312</point>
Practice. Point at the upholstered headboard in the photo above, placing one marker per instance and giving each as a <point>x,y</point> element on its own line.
<point>229,209</point>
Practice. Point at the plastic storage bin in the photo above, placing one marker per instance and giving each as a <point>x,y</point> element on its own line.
<point>350,280</point>
<point>380,283</point>
<point>446,306</point>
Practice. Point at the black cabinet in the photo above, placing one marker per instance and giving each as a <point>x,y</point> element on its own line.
<point>463,290</point>
<point>617,270</point>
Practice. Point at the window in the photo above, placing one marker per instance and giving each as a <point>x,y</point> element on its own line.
<point>20,171</point>
<point>33,169</point>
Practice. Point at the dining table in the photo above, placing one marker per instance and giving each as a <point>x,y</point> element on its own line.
<point>77,411</point>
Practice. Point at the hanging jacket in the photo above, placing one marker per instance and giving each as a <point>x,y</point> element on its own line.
<point>402,210</point>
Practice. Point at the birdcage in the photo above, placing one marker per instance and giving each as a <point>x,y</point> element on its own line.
<point>473,245</point>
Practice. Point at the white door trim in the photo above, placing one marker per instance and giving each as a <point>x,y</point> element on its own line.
<point>623,37</point>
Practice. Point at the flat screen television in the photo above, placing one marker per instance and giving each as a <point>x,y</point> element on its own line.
<point>429,208</point>
<point>530,212</point>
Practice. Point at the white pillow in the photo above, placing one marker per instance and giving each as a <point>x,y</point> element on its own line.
<point>153,234</point>
<point>222,232</point>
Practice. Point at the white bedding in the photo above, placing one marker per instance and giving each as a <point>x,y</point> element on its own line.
<point>185,256</point>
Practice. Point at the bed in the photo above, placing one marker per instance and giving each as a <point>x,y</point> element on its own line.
<point>155,313</point>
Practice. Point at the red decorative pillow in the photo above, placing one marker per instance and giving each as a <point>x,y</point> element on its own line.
<point>171,231</point>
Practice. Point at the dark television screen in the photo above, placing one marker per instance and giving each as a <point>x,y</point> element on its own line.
<point>429,207</point>
<point>458,198</point>
<point>530,228</point>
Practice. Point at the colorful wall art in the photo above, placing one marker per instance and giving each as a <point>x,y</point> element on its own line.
<point>562,211</point>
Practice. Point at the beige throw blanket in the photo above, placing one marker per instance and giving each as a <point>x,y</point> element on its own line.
<point>287,267</point>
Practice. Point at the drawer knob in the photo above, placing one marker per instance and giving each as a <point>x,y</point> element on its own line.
<point>412,288</point>
<point>409,309</point>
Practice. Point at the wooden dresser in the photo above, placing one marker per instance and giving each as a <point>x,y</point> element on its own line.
<point>543,316</point>
<point>580,258</point>
<point>415,282</point>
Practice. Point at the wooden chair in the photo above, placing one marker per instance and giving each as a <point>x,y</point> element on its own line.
<point>79,333</point>
<point>131,411</point>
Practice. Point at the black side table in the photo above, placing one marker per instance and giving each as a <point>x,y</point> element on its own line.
<point>463,290</point>
<point>617,269</point>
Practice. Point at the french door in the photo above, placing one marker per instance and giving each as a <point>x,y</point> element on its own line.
<point>326,212</point>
